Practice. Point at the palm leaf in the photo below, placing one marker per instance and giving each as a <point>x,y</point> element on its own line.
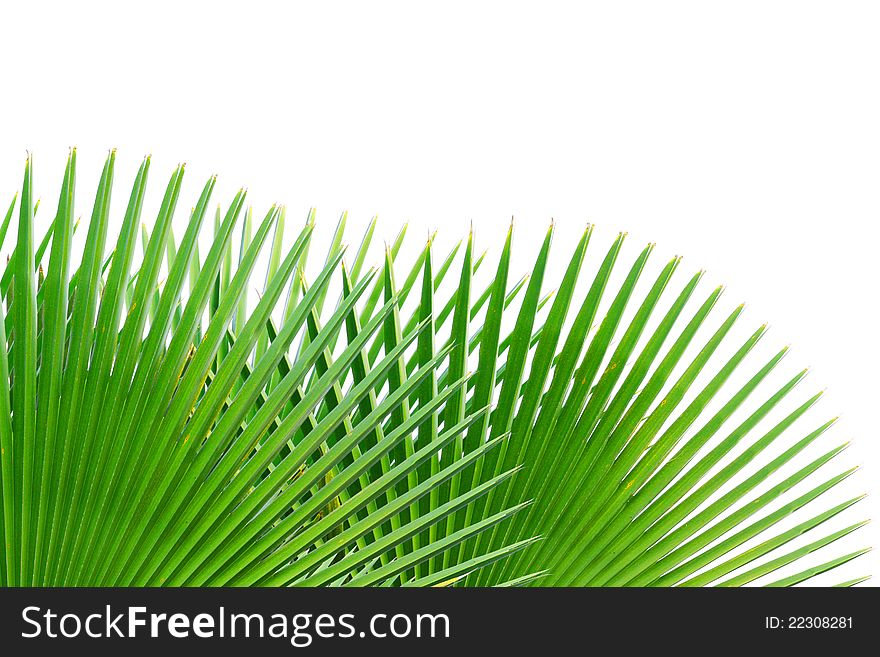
<point>167,420</point>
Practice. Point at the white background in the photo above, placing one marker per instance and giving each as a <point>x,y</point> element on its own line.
<point>744,136</point>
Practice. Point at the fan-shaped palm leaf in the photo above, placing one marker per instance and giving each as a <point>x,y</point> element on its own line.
<point>161,425</point>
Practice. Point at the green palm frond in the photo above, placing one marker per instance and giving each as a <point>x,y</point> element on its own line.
<point>162,425</point>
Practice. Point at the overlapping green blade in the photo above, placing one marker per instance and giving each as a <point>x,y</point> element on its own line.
<point>173,418</point>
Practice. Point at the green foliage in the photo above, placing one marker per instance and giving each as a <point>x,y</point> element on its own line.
<point>161,425</point>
